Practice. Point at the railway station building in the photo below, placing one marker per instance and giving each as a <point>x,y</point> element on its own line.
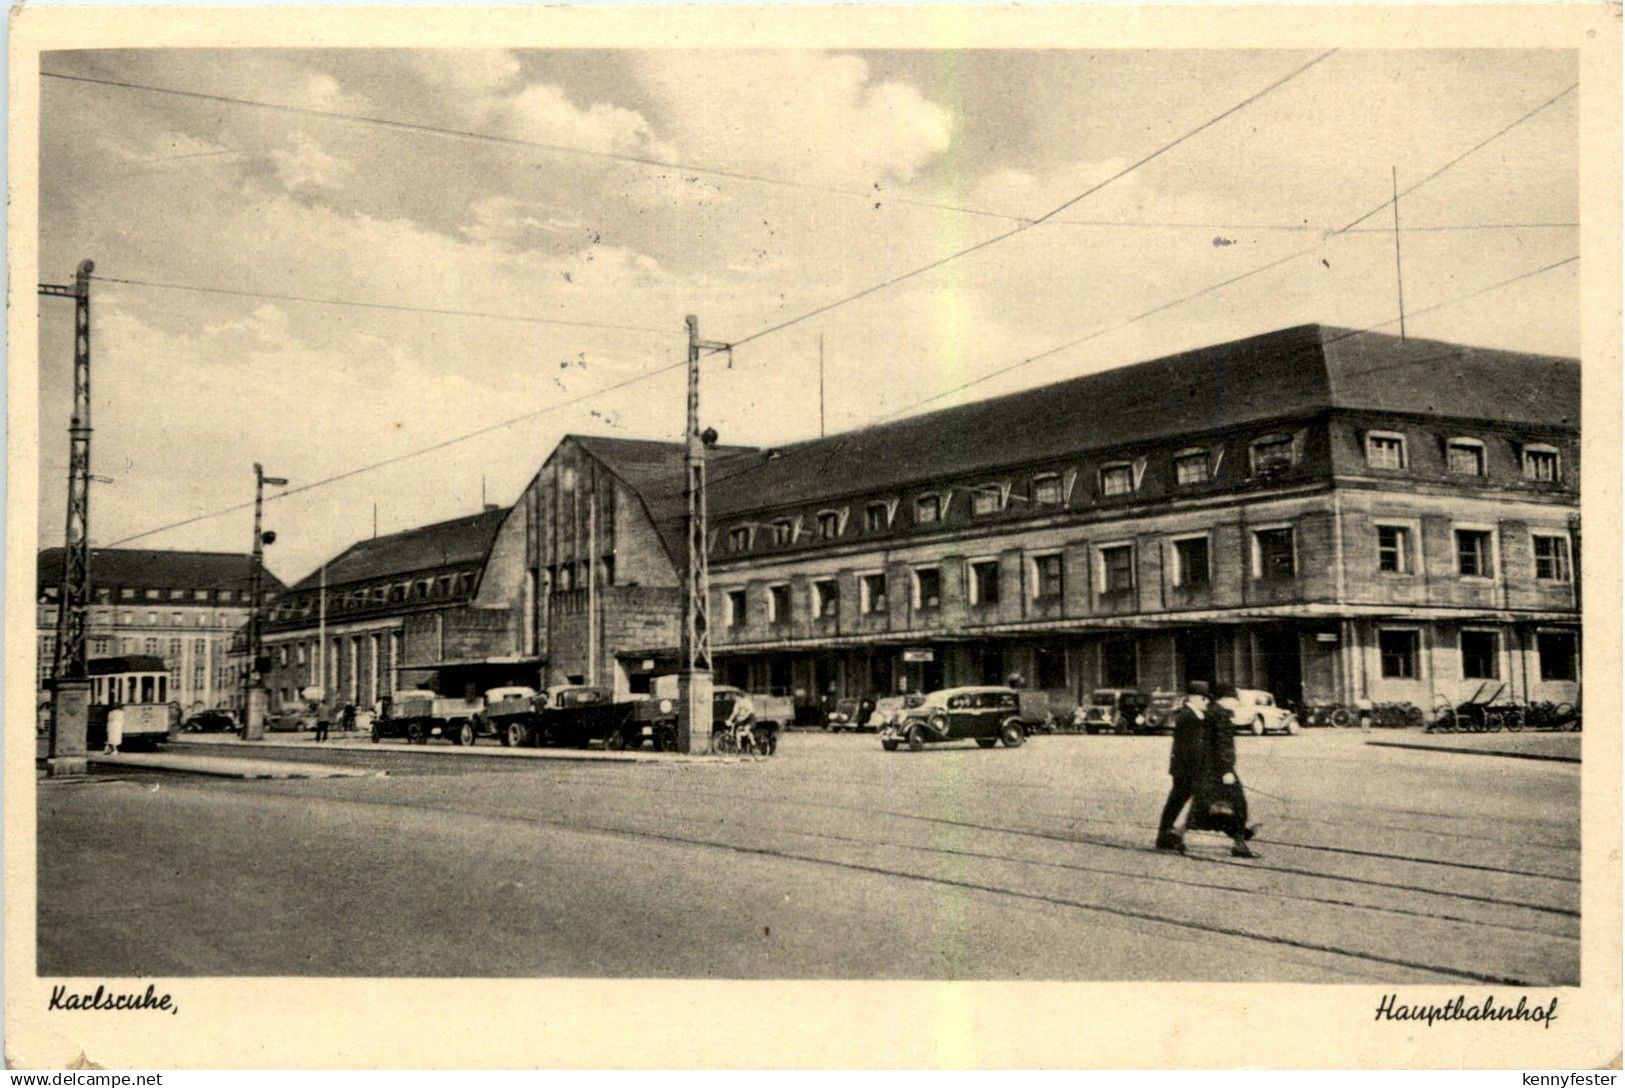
<point>1322,513</point>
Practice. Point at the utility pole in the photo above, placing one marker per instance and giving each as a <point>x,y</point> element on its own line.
<point>694,681</point>
<point>70,687</point>
<point>254,697</point>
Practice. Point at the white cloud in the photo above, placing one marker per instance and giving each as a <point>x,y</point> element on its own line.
<point>305,167</point>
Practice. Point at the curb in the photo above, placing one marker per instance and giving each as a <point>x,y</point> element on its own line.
<point>561,755</point>
<point>1543,756</point>
<point>220,767</point>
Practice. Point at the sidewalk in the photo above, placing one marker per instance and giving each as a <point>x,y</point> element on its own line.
<point>488,749</point>
<point>226,767</point>
<point>1556,747</point>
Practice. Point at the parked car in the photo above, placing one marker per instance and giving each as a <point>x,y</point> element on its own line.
<point>1159,711</point>
<point>892,709</point>
<point>853,714</point>
<point>210,721</point>
<point>1255,712</point>
<point>291,720</point>
<point>1121,710</point>
<point>986,715</point>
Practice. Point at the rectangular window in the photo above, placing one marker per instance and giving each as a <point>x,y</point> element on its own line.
<point>1272,454</point>
<point>1558,655</point>
<point>1117,568</point>
<point>781,531</point>
<point>1394,549</point>
<point>984,500</point>
<point>1552,558</point>
<point>984,582</point>
<point>1480,655</point>
<point>1048,577</point>
<point>1047,490</point>
<point>1465,457</point>
<point>1472,553</point>
<point>200,594</point>
<point>1119,664</point>
<point>151,646</point>
<point>872,593</point>
<point>739,538</point>
<point>829,525</point>
<point>928,587</point>
<point>1191,468</point>
<point>1273,554</point>
<point>1398,652</point>
<point>126,594</point>
<point>152,595</point>
<point>827,598</point>
<point>875,519</point>
<point>1540,463</point>
<point>778,604</point>
<point>1385,450</point>
<point>927,509</point>
<point>1116,479</point>
<point>1191,562</point>
<point>736,607</point>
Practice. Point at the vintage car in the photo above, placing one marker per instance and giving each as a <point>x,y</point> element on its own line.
<point>986,715</point>
<point>1255,712</point>
<point>1120,710</point>
<point>417,715</point>
<point>853,714</point>
<point>576,716</point>
<point>210,721</point>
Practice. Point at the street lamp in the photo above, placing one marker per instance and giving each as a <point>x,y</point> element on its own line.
<point>255,697</point>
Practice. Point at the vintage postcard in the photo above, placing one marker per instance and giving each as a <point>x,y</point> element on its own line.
<point>794,536</point>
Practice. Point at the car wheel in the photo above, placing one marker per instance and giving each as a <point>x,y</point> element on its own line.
<point>1258,725</point>
<point>514,736</point>
<point>466,735</point>
<point>615,742</point>
<point>916,738</point>
<point>1293,726</point>
<point>1012,734</point>
<point>986,742</point>
<point>889,745</point>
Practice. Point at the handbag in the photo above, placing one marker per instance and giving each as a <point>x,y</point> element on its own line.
<point>1224,809</point>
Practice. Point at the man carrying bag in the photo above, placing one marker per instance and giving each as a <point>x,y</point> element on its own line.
<point>1220,803</point>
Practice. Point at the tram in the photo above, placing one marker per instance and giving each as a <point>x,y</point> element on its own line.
<point>140,684</point>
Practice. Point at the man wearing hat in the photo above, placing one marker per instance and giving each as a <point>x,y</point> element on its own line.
<point>1184,763</point>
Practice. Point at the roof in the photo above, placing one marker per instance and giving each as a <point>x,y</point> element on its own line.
<point>445,543</point>
<point>143,568</point>
<point>656,471</point>
<point>1290,372</point>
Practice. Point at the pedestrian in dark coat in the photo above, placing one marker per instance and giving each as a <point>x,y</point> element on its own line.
<point>1185,762</point>
<point>1220,803</point>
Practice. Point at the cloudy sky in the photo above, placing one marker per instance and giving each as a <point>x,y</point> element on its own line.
<point>859,151</point>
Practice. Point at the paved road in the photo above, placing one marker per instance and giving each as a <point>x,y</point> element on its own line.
<point>833,860</point>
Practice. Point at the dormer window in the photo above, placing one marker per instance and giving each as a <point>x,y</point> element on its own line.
<point>1271,454</point>
<point>739,538</point>
<point>1464,457</point>
<point>1191,467</point>
<point>1047,490</point>
<point>927,509</point>
<point>984,500</point>
<point>1385,450</point>
<point>782,531</point>
<point>1117,479</point>
<point>829,525</point>
<point>1540,464</point>
<point>876,517</point>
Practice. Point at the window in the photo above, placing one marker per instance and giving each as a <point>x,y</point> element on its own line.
<point>781,531</point>
<point>281,655</point>
<point>1480,655</point>
<point>739,538</point>
<point>150,646</point>
<point>829,525</point>
<point>872,593</point>
<point>566,580</point>
<point>927,588</point>
<point>1048,576</point>
<point>1273,554</point>
<point>1540,464</point>
<point>1558,657</point>
<point>1047,490</point>
<point>1464,457</point>
<point>778,604</point>
<point>1191,467</point>
<point>200,594</point>
<point>152,619</point>
<point>1398,652</point>
<point>984,581</point>
<point>1551,558</point>
<point>927,509</point>
<point>1117,568</point>
<point>126,594</point>
<point>176,619</point>
<point>876,518</point>
<point>1050,669</point>
<point>736,607</point>
<point>1119,664</point>
<point>1116,479</point>
<point>1272,454</point>
<point>1473,553</point>
<point>827,598</point>
<point>152,594</point>
<point>301,653</point>
<point>1191,561</point>
<point>1384,449</point>
<point>984,500</point>
<point>1394,549</point>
